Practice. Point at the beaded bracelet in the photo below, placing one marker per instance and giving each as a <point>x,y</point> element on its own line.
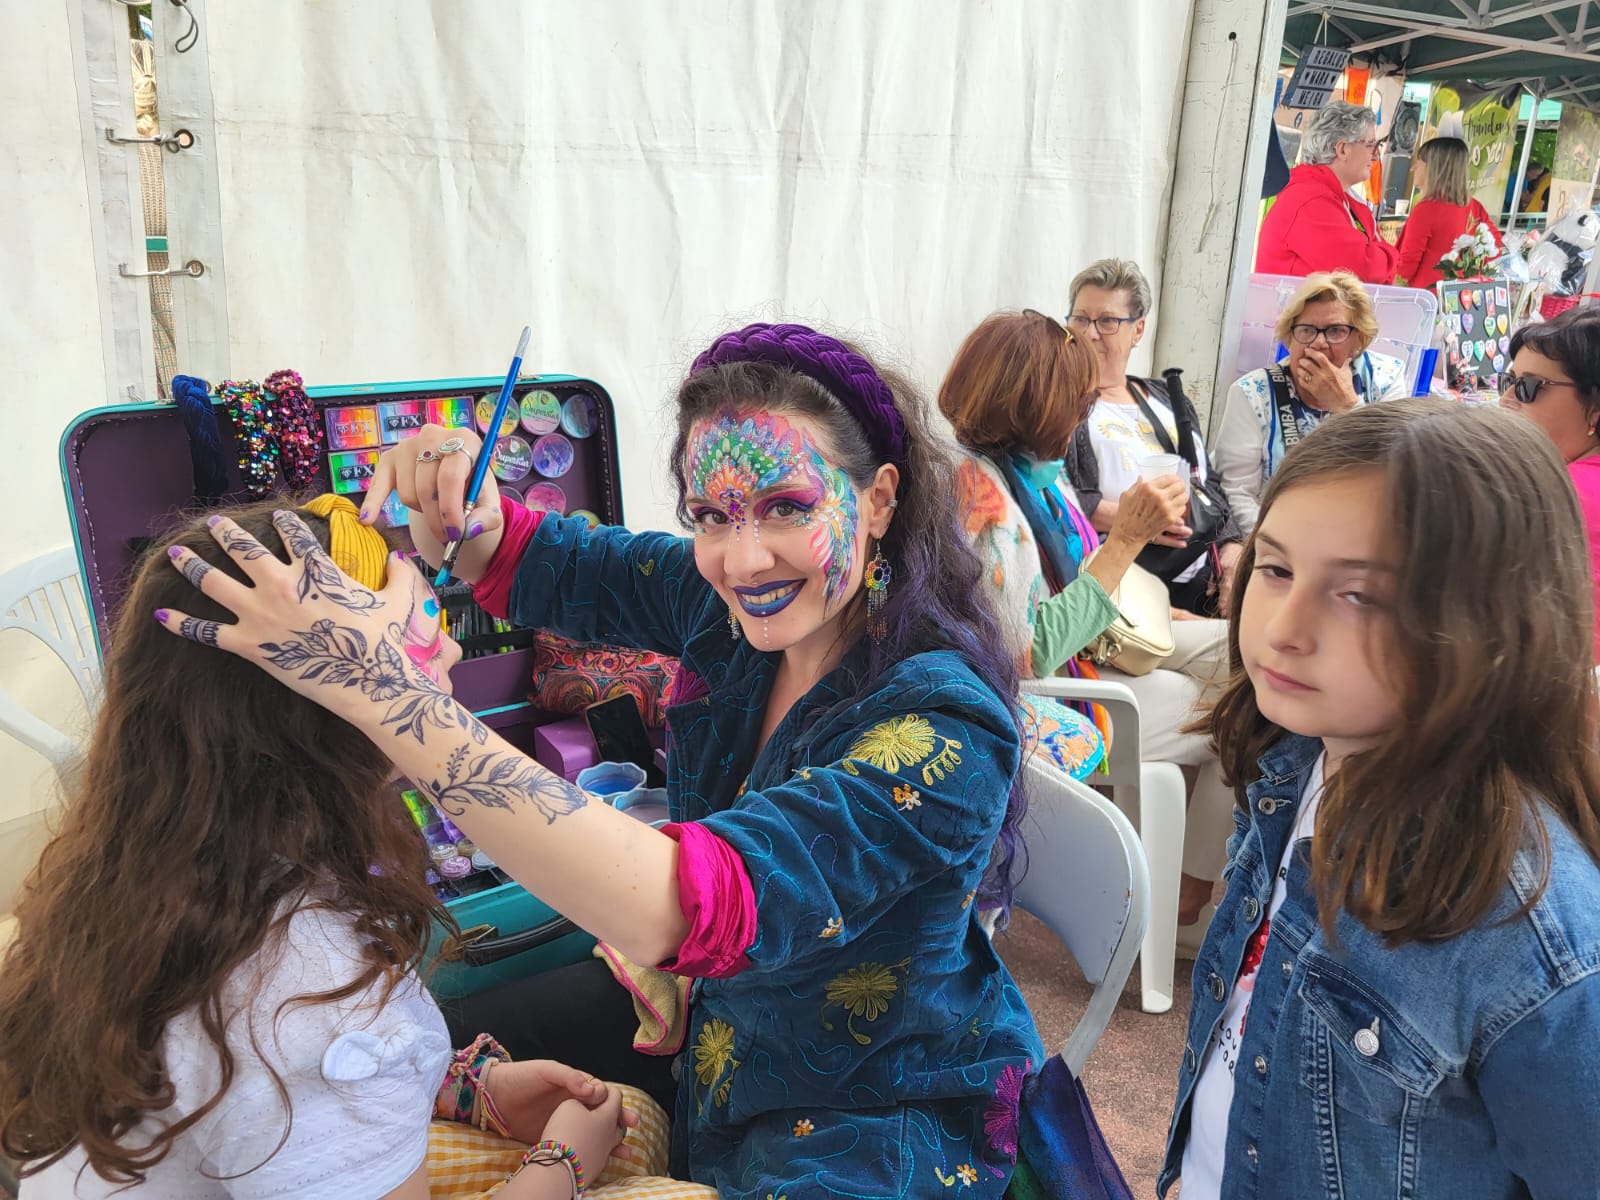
<point>458,1094</point>
<point>548,1154</point>
<point>299,434</point>
<point>253,434</point>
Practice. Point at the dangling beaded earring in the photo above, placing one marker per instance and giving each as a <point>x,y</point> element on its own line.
<point>733,626</point>
<point>877,578</point>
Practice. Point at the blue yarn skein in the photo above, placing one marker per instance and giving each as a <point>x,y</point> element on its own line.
<point>192,397</point>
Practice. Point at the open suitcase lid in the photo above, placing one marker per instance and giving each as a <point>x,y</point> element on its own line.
<point>129,477</point>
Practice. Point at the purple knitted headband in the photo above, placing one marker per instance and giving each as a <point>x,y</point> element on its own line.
<point>825,361</point>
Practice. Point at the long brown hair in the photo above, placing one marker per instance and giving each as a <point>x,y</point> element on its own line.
<point>1490,652</point>
<point>1447,170</point>
<point>1019,382</point>
<point>211,794</point>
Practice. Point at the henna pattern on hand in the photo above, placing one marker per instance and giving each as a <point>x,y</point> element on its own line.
<point>319,574</point>
<point>196,630</point>
<point>241,545</point>
<point>195,569</point>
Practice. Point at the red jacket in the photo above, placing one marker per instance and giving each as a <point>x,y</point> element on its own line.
<point>1316,225</point>
<point>1430,231</point>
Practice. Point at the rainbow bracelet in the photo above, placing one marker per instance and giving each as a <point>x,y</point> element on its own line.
<point>548,1154</point>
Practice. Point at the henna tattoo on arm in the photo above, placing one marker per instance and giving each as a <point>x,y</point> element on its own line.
<point>497,780</point>
<point>196,630</point>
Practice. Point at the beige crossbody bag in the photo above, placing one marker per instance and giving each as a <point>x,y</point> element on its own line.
<point>1140,639</point>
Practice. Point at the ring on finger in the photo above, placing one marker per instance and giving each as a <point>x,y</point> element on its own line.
<point>446,448</point>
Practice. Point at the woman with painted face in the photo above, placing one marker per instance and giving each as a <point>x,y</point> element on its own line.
<point>1327,326</point>
<point>842,776</point>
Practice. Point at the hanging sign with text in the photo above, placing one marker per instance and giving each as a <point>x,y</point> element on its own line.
<point>1316,77</point>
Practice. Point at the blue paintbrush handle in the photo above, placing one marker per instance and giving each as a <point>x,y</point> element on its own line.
<point>480,469</point>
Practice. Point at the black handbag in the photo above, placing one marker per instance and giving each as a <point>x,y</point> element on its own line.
<point>1208,505</point>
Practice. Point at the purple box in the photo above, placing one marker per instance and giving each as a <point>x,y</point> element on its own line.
<point>565,746</point>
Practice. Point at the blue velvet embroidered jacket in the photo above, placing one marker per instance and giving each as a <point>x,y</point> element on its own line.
<point>875,1045</point>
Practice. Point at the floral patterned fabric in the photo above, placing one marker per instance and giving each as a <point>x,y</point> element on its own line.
<point>569,676</point>
<point>1067,738</point>
<point>875,1043</point>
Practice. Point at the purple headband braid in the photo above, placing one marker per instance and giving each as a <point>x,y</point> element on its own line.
<point>825,361</point>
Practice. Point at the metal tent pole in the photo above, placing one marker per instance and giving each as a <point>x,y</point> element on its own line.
<point>1522,167</point>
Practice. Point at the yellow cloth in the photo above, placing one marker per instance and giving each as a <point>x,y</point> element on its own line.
<point>356,549</point>
<point>660,1001</point>
<point>465,1163</point>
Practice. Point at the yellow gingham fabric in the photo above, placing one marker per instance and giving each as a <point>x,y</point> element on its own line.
<point>465,1163</point>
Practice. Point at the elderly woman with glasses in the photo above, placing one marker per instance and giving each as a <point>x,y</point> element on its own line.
<point>1316,224</point>
<point>1554,381</point>
<point>1109,302</point>
<point>1327,326</point>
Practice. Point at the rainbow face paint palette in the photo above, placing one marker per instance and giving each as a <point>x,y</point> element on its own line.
<point>353,470</point>
<point>401,419</point>
<point>352,428</point>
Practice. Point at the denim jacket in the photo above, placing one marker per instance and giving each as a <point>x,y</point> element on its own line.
<point>1460,1070</point>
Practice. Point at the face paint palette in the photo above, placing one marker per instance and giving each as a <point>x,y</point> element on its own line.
<point>580,415</point>
<point>352,428</point>
<point>485,414</point>
<point>353,470</point>
<point>511,459</point>
<point>546,497</point>
<point>401,419</point>
<point>453,412</point>
<point>540,412</point>
<point>553,456</point>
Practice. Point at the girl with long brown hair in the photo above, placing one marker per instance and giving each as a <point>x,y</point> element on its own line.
<point>212,988</point>
<point>1400,993</point>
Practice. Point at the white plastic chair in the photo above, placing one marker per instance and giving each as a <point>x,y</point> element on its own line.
<point>1153,796</point>
<point>1087,880</point>
<point>44,598</point>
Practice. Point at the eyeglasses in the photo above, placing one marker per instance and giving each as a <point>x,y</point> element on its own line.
<point>1050,321</point>
<point>1526,387</point>
<point>1332,334</point>
<point>1373,144</point>
<point>1106,325</point>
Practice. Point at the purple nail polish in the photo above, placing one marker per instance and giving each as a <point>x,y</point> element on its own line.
<point>174,552</point>
<point>366,514</point>
<point>477,528</point>
<point>211,521</point>
<point>452,534</point>
<point>162,615</point>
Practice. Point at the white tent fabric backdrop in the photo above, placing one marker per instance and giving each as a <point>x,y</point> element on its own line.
<point>404,185</point>
<point>400,185</point>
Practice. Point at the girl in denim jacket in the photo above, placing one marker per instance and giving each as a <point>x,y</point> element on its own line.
<point>1400,994</point>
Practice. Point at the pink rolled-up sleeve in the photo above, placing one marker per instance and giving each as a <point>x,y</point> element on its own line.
<point>493,591</point>
<point>718,900</point>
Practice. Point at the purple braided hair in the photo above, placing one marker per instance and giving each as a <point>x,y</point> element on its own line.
<point>825,361</point>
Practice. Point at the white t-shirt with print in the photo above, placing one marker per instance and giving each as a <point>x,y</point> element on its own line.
<point>1121,435</point>
<point>1212,1097</point>
<point>361,1080</point>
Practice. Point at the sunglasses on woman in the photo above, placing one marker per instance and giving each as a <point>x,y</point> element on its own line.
<point>1526,387</point>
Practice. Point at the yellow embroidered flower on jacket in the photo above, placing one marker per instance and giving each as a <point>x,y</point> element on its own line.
<point>968,1175</point>
<point>897,742</point>
<point>834,927</point>
<point>803,1127</point>
<point>906,798</point>
<point>713,1054</point>
<point>865,992</point>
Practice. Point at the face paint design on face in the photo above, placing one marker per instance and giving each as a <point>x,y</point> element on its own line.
<point>756,467</point>
<point>732,459</point>
<point>833,522</point>
<point>425,636</point>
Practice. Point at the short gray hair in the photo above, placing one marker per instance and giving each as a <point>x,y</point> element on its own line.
<point>1115,275</point>
<point>1335,122</point>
